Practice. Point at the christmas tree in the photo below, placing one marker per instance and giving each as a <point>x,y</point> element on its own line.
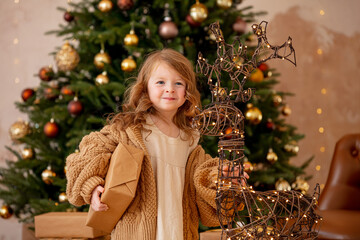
<point>104,44</point>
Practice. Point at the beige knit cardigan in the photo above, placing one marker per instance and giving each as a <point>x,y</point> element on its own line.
<point>87,169</point>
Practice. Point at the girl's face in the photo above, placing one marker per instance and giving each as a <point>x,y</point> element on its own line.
<point>166,89</point>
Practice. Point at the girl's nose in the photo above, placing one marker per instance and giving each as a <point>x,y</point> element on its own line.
<point>170,91</point>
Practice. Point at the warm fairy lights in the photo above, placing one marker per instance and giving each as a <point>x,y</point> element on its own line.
<point>221,118</point>
<point>320,110</point>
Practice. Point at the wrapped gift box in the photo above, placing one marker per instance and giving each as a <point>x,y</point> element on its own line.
<point>64,225</point>
<point>211,235</point>
<point>120,187</point>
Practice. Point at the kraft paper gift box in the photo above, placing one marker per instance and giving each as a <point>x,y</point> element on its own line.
<point>64,225</point>
<point>120,187</point>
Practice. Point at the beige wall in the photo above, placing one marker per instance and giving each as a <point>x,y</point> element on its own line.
<point>336,36</point>
<point>336,33</point>
<point>27,21</point>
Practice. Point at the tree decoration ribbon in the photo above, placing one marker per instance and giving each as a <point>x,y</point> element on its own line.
<point>243,212</point>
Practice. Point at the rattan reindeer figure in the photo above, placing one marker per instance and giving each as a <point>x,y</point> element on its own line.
<point>245,213</point>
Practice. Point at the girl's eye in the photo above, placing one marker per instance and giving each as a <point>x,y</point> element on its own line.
<point>160,82</point>
<point>180,83</point>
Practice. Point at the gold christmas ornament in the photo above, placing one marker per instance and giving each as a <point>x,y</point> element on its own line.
<point>271,156</point>
<point>62,197</point>
<point>131,39</point>
<point>128,64</point>
<point>102,79</point>
<point>224,4</point>
<point>300,184</point>
<point>282,185</point>
<point>286,110</point>
<point>248,167</point>
<point>277,100</point>
<point>257,76</point>
<point>292,147</point>
<point>105,5</point>
<point>6,212</point>
<point>67,58</point>
<point>253,114</point>
<point>101,58</point>
<point>47,175</point>
<point>19,130</point>
<point>27,153</point>
<point>198,12</point>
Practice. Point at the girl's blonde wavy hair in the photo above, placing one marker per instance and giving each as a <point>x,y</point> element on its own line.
<point>137,103</point>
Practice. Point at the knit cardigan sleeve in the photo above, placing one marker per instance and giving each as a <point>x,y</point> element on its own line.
<point>87,168</point>
<point>205,175</point>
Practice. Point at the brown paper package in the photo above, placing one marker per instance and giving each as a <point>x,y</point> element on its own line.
<point>120,187</point>
<point>64,225</point>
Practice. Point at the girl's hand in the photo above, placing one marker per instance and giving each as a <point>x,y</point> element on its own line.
<point>236,172</point>
<point>96,204</point>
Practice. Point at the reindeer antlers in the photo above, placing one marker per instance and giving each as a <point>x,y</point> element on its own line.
<point>233,59</point>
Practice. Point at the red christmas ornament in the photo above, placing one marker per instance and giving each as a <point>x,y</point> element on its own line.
<point>191,21</point>
<point>270,125</point>
<point>50,93</point>
<point>239,25</point>
<point>46,73</point>
<point>27,93</point>
<point>75,107</point>
<point>66,91</point>
<point>263,67</point>
<point>125,4</point>
<point>228,131</point>
<point>68,16</point>
<point>51,129</point>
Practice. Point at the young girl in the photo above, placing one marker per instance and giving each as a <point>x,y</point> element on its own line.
<point>176,186</point>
